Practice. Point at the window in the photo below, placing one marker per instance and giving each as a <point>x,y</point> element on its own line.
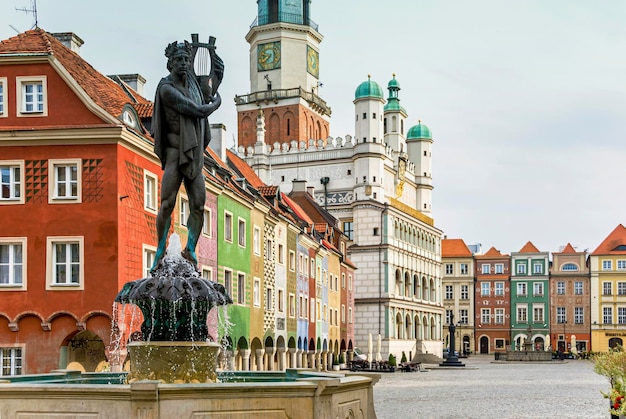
<point>281,254</point>
<point>3,97</point>
<point>241,288</point>
<point>578,287</point>
<point>606,288</point>
<point>499,343</point>
<point>499,268</point>
<point>464,292</point>
<point>607,315</point>
<point>31,99</point>
<point>621,288</point>
<point>607,265</point>
<point>313,304</point>
<point>464,268</point>
<point>292,305</point>
<point>306,307</point>
<point>463,316</point>
<point>350,315</point>
<point>149,253</point>
<point>66,181</point>
<point>318,309</point>
<point>561,315</point>
<point>11,361</point>
<point>537,289</point>
<point>537,314</point>
<point>621,315</point>
<point>312,272</point>
<point>12,259</point>
<point>184,210</point>
<point>569,267</point>
<point>579,315</point>
<point>448,316</point>
<point>485,269</point>
<point>11,183</point>
<point>485,289</point>
<point>325,313</point>
<point>256,239</point>
<point>269,299</point>
<point>349,282</point>
<point>560,288</point>
<point>306,266</point>
<point>449,269</point>
<point>521,289</point>
<point>65,267</point>
<point>228,226</point>
<point>522,314</point>
<point>449,292</point>
<point>292,260</point>
<point>521,269</point>
<point>281,300</point>
<point>207,224</point>
<point>485,315</point>
<point>228,282</point>
<point>241,231</point>
<point>149,191</point>
<point>499,315</point>
<point>621,265</point>
<point>343,281</point>
<point>499,289</point>
<point>538,268</point>
<point>257,292</point>
<point>343,313</point>
<point>375,231</point>
<point>207,274</point>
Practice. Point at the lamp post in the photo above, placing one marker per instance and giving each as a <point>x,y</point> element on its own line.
<point>564,336</point>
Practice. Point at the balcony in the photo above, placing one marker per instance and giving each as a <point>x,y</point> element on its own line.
<point>296,19</point>
<point>266,96</point>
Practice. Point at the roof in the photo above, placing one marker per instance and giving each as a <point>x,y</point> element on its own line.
<point>568,249</point>
<point>492,253</point>
<point>368,89</point>
<point>244,170</point>
<point>454,248</point>
<point>106,93</point>
<point>297,209</point>
<point>529,248</point>
<point>614,243</point>
<point>419,131</point>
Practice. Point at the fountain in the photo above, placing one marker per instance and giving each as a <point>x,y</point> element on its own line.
<point>173,369</point>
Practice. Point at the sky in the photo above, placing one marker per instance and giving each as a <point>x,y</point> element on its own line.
<point>526,100</point>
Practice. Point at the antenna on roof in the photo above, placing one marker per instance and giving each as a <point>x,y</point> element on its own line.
<point>33,10</point>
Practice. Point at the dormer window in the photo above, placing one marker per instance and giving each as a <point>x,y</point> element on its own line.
<point>130,117</point>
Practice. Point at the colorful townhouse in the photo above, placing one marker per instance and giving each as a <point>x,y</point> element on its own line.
<point>78,206</point>
<point>492,302</point>
<point>530,302</point>
<point>607,266</point>
<point>457,262</point>
<point>570,301</point>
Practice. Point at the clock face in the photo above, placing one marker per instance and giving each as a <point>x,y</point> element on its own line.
<point>268,56</point>
<point>312,62</point>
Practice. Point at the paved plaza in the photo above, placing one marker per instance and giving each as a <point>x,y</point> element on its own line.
<point>484,389</point>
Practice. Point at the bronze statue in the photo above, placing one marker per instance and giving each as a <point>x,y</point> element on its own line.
<point>181,134</point>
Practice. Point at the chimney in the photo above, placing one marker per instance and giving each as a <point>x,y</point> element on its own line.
<point>136,81</point>
<point>299,186</point>
<point>70,40</point>
<point>218,140</point>
<point>311,190</point>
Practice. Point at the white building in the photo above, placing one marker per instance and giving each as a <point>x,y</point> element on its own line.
<point>377,183</point>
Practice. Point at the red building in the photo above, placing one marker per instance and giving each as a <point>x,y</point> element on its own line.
<point>78,204</point>
<point>492,306</point>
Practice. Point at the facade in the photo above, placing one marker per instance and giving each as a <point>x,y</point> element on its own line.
<point>530,301</point>
<point>457,263</point>
<point>607,266</point>
<point>570,299</point>
<point>378,184</point>
<point>492,302</point>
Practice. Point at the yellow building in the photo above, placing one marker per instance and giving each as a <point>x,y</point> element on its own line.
<point>608,291</point>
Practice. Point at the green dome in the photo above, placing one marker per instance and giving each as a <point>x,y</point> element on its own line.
<point>393,83</point>
<point>419,131</point>
<point>393,104</point>
<point>368,88</point>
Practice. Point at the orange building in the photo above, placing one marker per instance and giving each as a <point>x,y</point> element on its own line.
<point>78,204</point>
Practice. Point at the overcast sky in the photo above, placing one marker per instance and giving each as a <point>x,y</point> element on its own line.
<point>526,100</point>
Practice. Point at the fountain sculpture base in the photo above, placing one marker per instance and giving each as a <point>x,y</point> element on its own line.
<point>173,362</point>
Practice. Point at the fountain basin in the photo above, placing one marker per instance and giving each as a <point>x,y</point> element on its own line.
<point>296,393</point>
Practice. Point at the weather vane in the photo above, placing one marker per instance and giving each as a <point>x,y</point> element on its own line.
<point>33,10</point>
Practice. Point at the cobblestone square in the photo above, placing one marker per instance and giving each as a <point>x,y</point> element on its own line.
<point>484,389</point>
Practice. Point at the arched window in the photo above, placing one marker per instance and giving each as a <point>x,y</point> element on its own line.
<point>394,124</point>
<point>569,267</point>
<point>398,326</point>
<point>407,285</point>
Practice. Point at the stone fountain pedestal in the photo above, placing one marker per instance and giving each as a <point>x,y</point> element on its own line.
<point>173,362</point>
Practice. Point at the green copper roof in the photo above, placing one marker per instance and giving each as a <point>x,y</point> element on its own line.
<point>419,131</point>
<point>393,101</point>
<point>393,83</point>
<point>368,88</point>
<point>393,104</point>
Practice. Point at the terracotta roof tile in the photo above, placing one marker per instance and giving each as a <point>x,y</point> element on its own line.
<point>491,253</point>
<point>105,92</point>
<point>245,170</point>
<point>144,110</point>
<point>297,209</point>
<point>268,190</point>
<point>529,248</point>
<point>454,248</point>
<point>568,249</point>
<point>614,243</point>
